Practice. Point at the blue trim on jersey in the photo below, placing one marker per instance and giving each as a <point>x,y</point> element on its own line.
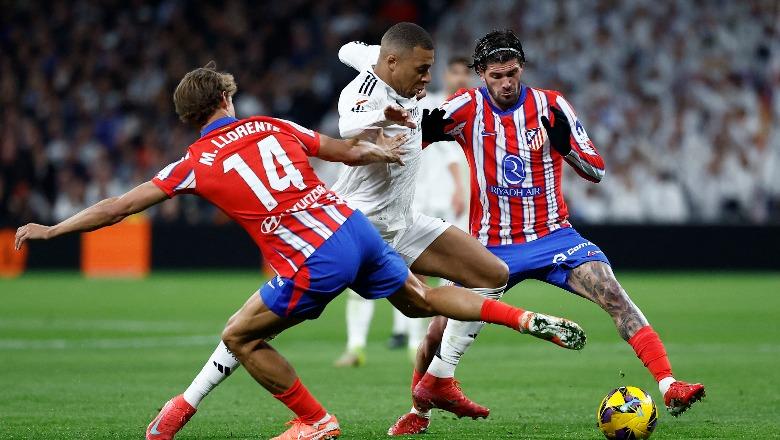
<point>221,122</point>
<point>498,111</point>
<point>549,259</point>
<point>354,256</point>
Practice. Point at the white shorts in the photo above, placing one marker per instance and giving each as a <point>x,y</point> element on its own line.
<point>412,241</point>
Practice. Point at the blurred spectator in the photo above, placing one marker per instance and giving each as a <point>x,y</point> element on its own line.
<point>687,120</point>
<point>681,96</point>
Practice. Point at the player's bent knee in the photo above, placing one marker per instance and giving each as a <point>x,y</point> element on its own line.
<point>231,341</point>
<point>492,274</point>
<point>500,274</point>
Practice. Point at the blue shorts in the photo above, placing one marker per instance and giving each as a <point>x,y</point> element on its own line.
<point>548,259</point>
<point>354,256</point>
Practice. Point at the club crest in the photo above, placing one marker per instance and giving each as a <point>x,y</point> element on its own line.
<point>534,138</point>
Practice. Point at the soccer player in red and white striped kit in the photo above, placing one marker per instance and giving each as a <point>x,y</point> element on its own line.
<point>518,212</point>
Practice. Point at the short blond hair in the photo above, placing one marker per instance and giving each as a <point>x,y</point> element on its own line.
<point>199,93</point>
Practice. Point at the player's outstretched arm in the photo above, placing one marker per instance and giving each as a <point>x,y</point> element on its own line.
<point>358,152</point>
<point>103,213</point>
<point>359,55</point>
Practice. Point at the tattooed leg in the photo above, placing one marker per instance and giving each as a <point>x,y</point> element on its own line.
<point>595,281</point>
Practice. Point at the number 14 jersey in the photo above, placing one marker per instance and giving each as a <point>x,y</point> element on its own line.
<point>257,171</point>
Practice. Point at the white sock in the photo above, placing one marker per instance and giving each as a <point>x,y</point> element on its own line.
<point>219,366</point>
<point>426,414</point>
<point>400,323</point>
<point>359,314</point>
<point>324,419</point>
<point>665,383</point>
<point>416,328</point>
<point>458,337</point>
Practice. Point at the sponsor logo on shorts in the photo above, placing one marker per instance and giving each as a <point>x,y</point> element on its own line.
<point>571,251</point>
<point>563,256</point>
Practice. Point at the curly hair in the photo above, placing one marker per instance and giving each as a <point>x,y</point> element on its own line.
<point>497,47</point>
<point>199,93</point>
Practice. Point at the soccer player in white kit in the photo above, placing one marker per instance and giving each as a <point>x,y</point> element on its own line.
<point>439,194</point>
<point>385,96</point>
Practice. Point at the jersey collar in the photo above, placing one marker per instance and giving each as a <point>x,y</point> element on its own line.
<point>498,111</point>
<point>221,122</point>
<point>391,93</point>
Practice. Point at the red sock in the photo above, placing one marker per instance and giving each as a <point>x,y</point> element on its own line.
<point>416,376</point>
<point>651,351</point>
<point>495,312</point>
<point>302,403</point>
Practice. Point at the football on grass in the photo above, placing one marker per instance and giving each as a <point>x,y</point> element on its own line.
<point>627,413</point>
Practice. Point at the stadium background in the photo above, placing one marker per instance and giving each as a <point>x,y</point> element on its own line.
<point>681,97</point>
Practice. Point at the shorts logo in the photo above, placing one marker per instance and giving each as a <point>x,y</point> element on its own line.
<point>270,224</point>
<point>514,169</point>
<point>559,258</point>
<point>592,253</point>
<point>573,250</point>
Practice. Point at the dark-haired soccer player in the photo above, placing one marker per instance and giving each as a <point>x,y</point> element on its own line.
<point>256,170</point>
<point>518,212</point>
<point>384,97</point>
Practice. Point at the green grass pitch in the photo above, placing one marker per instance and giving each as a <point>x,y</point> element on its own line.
<point>95,359</point>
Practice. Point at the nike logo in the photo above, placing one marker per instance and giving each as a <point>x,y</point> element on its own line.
<point>316,434</point>
<point>488,133</point>
<point>154,430</point>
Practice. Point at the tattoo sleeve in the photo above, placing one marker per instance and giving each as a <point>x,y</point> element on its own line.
<point>596,282</point>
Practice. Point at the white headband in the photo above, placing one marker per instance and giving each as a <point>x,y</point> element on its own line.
<point>501,49</point>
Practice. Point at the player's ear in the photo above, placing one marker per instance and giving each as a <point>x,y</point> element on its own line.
<point>225,102</point>
<point>392,61</point>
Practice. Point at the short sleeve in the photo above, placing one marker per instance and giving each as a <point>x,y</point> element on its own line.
<point>177,178</point>
<point>310,139</point>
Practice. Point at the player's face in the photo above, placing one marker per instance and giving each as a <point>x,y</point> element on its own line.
<point>503,82</point>
<point>412,71</point>
<point>458,76</point>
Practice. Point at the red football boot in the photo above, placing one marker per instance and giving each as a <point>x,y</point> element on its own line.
<point>173,416</point>
<point>681,395</point>
<point>409,424</point>
<point>445,393</point>
<point>329,429</point>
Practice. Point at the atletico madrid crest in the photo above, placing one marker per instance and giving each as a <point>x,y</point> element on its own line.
<point>534,138</point>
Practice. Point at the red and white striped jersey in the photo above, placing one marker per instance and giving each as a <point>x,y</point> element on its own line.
<point>256,170</point>
<point>515,175</point>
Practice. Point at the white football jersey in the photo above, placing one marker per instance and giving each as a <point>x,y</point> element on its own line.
<point>384,192</point>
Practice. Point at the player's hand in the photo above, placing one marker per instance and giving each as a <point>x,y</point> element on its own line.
<point>559,133</point>
<point>433,124</point>
<point>30,231</point>
<point>399,115</point>
<point>391,147</point>
<point>458,205</point>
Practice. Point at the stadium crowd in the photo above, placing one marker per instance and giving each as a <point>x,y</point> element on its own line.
<point>682,97</point>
